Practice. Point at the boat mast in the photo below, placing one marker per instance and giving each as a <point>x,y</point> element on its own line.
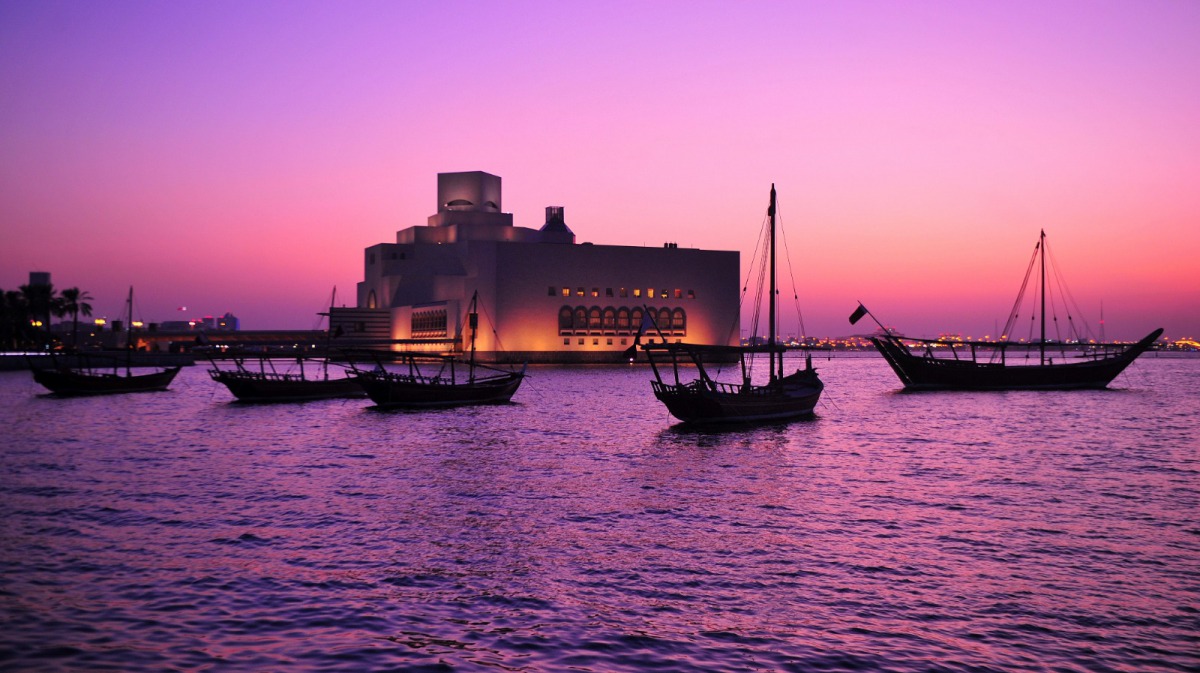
<point>129,333</point>
<point>473,321</point>
<point>771,311</point>
<point>328,335</point>
<point>1042,251</point>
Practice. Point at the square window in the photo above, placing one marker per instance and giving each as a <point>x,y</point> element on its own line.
<point>678,293</point>
<point>595,342</point>
<point>580,341</point>
<point>566,342</point>
<point>691,294</point>
<point>579,292</point>
<point>552,291</point>
<point>624,292</point>
<point>566,292</point>
<point>610,342</point>
<point>624,341</point>
<point>664,294</point>
<point>595,292</point>
<point>608,292</point>
<point>650,292</point>
<point>637,291</point>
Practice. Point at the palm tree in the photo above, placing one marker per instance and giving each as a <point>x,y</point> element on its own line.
<point>40,302</point>
<point>14,318</point>
<point>75,301</point>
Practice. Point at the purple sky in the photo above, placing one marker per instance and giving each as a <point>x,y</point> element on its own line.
<point>238,156</point>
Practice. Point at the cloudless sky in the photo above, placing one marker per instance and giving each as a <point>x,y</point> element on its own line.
<point>239,156</point>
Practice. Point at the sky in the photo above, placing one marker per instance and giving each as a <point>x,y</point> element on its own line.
<point>239,156</point>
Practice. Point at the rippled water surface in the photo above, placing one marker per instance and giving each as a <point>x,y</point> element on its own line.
<point>578,529</point>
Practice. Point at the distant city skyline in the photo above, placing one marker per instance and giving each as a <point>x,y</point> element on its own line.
<point>238,158</point>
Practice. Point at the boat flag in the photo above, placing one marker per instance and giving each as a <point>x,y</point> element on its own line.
<point>647,323</point>
<point>858,313</point>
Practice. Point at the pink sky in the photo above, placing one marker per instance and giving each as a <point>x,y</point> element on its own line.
<point>238,156</point>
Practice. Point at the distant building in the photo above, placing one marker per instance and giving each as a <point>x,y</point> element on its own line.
<point>548,298</point>
<point>39,298</point>
<point>226,323</point>
<point>176,326</point>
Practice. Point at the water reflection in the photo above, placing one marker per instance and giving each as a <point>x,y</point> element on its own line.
<point>579,527</point>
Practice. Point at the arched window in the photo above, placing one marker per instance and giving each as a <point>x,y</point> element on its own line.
<point>679,321</point>
<point>609,320</point>
<point>580,322</point>
<point>623,320</point>
<point>664,319</point>
<point>635,318</point>
<point>594,319</point>
<point>371,302</point>
<point>565,318</point>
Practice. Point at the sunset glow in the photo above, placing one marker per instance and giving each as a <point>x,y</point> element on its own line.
<point>239,157</point>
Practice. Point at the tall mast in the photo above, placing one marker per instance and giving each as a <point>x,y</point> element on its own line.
<point>129,332</point>
<point>473,321</point>
<point>1042,251</point>
<point>771,312</point>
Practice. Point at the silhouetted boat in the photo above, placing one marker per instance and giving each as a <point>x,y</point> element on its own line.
<point>940,364</point>
<point>706,400</point>
<point>310,380</point>
<point>265,383</point>
<point>90,374</point>
<point>453,382</point>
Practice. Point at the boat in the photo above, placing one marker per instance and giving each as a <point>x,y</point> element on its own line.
<point>428,380</point>
<point>97,374</point>
<point>706,400</point>
<point>1032,364</point>
<point>265,383</point>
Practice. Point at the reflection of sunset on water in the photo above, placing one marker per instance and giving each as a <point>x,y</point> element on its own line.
<point>579,527</point>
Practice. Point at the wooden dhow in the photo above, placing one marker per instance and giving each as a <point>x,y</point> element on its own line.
<point>422,380</point>
<point>93,374</point>
<point>1033,364</point>
<point>706,400</point>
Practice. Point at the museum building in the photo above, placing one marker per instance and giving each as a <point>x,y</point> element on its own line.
<point>542,297</point>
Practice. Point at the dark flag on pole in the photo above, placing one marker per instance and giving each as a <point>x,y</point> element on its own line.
<point>631,352</point>
<point>858,313</point>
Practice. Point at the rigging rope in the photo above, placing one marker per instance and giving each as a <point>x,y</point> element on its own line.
<point>1012,317</point>
<point>1056,291</point>
<point>746,283</point>
<point>1069,300</point>
<point>787,254</point>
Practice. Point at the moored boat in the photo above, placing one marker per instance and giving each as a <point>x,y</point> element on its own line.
<point>1033,364</point>
<point>99,375</point>
<point>707,400</point>
<point>93,378</point>
<point>265,383</point>
<point>928,364</point>
<point>424,380</point>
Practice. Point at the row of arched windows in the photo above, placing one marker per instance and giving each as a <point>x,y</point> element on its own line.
<point>429,324</point>
<point>623,320</point>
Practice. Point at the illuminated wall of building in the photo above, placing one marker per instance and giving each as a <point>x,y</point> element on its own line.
<point>542,297</point>
<point>606,289</point>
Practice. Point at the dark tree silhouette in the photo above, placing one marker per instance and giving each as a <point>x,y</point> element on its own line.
<point>75,301</point>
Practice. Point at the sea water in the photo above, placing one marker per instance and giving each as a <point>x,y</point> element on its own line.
<point>579,528</point>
